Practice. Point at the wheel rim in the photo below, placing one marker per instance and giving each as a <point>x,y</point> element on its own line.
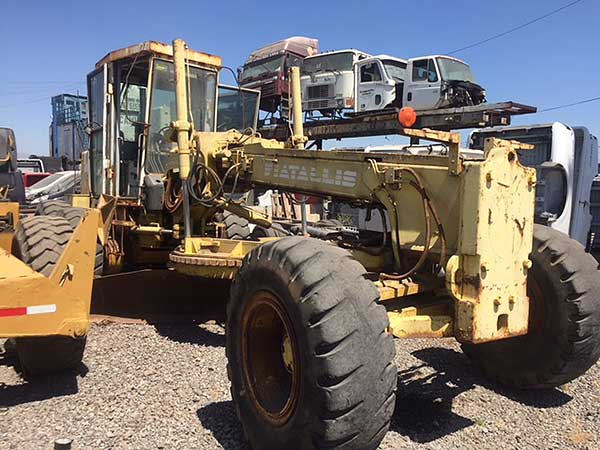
<point>271,364</point>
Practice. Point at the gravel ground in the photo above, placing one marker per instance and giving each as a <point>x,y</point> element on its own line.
<point>165,387</point>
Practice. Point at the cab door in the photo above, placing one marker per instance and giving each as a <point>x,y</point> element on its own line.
<point>98,104</point>
<point>371,86</point>
<point>423,90</point>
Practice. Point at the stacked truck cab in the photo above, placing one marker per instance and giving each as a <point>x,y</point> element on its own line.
<point>266,69</point>
<point>355,81</point>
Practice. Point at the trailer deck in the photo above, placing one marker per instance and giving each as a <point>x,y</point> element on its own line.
<point>386,122</point>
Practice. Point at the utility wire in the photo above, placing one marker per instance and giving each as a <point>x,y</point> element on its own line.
<point>39,90</point>
<point>588,100</point>
<point>39,99</point>
<point>504,33</point>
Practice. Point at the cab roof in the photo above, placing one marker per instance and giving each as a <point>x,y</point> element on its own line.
<point>390,58</point>
<point>300,45</point>
<point>442,56</point>
<point>161,50</point>
<point>333,52</point>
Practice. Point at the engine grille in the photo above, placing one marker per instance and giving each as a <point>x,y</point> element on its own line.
<point>320,91</point>
<point>318,104</point>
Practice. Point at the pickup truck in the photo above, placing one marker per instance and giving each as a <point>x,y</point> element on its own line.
<point>356,81</point>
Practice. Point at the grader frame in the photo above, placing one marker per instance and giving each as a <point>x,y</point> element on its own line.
<point>443,208</point>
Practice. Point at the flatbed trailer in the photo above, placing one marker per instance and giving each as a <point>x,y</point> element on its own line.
<point>386,122</point>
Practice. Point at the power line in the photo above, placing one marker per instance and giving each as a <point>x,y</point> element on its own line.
<point>37,99</point>
<point>41,89</point>
<point>504,33</point>
<point>588,100</point>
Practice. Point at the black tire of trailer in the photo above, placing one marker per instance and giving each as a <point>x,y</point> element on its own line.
<point>564,325</point>
<point>39,242</point>
<point>329,223</point>
<point>342,379</point>
<point>73,215</point>
<point>275,230</point>
<point>236,227</point>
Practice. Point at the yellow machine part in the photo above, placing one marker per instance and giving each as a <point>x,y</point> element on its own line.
<point>9,217</point>
<point>34,305</point>
<point>488,274</point>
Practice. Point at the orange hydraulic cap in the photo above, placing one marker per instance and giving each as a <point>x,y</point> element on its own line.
<point>407,117</point>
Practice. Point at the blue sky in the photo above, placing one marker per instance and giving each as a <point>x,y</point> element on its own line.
<point>48,47</point>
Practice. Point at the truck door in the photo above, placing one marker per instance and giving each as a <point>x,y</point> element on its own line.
<point>586,168</point>
<point>371,86</point>
<point>423,89</point>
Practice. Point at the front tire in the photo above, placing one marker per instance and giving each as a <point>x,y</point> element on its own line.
<point>563,341</point>
<point>310,362</point>
<point>236,227</point>
<point>73,214</point>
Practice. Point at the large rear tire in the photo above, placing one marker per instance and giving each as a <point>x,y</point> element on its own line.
<point>310,362</point>
<point>39,242</point>
<point>563,340</point>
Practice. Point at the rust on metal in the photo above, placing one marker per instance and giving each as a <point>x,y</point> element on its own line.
<point>159,49</point>
<point>271,366</point>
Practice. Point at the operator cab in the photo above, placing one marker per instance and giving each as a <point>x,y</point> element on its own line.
<point>132,104</point>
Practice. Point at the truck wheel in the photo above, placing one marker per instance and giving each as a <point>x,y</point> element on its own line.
<point>39,241</point>
<point>564,319</point>
<point>236,227</point>
<point>73,215</point>
<point>310,362</point>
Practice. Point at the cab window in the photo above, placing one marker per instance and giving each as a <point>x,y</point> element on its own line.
<point>293,61</point>
<point>424,70</point>
<point>369,73</point>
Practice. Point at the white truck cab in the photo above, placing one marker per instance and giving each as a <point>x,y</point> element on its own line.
<point>379,82</point>
<point>328,80</point>
<point>439,81</point>
<point>374,83</point>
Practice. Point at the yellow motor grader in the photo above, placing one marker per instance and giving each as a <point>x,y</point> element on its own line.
<point>310,321</point>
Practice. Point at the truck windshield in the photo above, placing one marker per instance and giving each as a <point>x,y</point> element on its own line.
<point>261,67</point>
<point>452,69</point>
<point>326,63</point>
<point>202,91</point>
<point>395,69</point>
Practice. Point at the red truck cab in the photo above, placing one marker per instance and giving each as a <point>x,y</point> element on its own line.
<point>266,69</point>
